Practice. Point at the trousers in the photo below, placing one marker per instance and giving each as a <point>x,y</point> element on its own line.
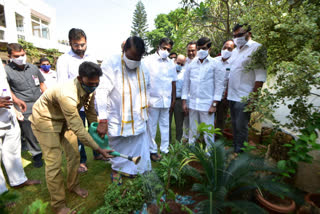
<point>10,155</point>
<point>160,115</point>
<point>52,145</point>
<point>32,143</point>
<point>200,117</point>
<point>178,119</point>
<point>240,120</point>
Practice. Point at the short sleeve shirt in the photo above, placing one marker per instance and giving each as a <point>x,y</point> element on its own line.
<point>25,83</point>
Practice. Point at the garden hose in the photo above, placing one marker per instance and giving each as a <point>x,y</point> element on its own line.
<point>104,143</point>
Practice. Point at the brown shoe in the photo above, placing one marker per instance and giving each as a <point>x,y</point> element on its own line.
<point>27,183</point>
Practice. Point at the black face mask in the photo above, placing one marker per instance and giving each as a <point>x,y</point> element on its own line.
<point>79,52</point>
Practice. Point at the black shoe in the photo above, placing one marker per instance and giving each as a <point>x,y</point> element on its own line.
<point>155,157</point>
<point>37,161</point>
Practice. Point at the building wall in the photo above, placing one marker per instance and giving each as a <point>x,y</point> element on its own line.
<point>25,8</point>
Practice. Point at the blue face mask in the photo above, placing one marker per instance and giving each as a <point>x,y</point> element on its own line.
<point>178,67</point>
<point>88,89</point>
<point>45,68</point>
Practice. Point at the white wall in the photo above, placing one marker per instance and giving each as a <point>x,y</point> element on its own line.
<point>23,7</point>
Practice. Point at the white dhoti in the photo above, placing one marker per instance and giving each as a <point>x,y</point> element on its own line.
<point>10,154</point>
<point>136,145</point>
<point>160,115</point>
<point>200,117</point>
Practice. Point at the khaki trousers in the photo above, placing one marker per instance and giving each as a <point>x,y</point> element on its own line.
<point>52,144</point>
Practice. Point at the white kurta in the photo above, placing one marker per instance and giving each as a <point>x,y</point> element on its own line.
<point>241,82</point>
<point>124,137</point>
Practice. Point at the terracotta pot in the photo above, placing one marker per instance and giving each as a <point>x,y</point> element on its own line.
<point>313,199</point>
<point>275,208</point>
<point>227,133</point>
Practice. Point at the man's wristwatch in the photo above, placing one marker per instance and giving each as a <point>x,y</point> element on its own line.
<point>214,104</point>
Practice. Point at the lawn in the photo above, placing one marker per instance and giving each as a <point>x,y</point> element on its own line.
<point>95,181</point>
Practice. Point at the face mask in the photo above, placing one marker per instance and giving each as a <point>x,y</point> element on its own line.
<point>132,64</point>
<point>202,53</point>
<point>178,67</point>
<point>240,41</point>
<point>225,54</point>
<point>88,89</point>
<point>21,60</point>
<point>45,68</point>
<point>163,53</point>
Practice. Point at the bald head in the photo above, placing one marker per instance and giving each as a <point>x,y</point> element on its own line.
<point>181,60</point>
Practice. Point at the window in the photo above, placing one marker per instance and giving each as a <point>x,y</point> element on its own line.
<point>2,17</point>
<point>40,28</point>
<point>19,23</point>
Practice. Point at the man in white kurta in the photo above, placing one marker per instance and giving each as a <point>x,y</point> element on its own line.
<point>204,84</point>
<point>163,78</point>
<point>191,53</point>
<point>10,142</point>
<point>122,105</point>
<point>68,69</point>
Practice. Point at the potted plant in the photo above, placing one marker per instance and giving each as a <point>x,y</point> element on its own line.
<point>227,183</point>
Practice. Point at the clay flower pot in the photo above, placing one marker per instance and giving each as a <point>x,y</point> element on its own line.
<point>313,199</point>
<point>273,207</point>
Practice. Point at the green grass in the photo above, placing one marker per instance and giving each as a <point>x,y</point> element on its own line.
<point>95,181</point>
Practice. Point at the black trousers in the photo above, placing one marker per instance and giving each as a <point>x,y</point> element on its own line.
<point>32,143</point>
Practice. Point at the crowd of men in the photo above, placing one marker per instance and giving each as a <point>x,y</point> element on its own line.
<point>131,95</point>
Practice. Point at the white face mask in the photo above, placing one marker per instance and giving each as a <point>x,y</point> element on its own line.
<point>132,64</point>
<point>240,41</point>
<point>202,53</point>
<point>163,53</point>
<point>225,54</point>
<point>21,60</point>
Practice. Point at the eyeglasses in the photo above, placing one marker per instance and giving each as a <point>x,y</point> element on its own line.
<point>75,45</point>
<point>239,35</point>
<point>179,63</point>
<point>165,49</point>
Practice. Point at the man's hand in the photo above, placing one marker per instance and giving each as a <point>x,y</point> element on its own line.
<point>102,128</point>
<point>172,106</point>
<point>212,109</point>
<point>185,107</point>
<point>22,105</point>
<point>5,102</point>
<point>105,152</point>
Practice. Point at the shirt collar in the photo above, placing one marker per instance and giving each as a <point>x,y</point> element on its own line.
<point>208,59</point>
<point>82,92</point>
<point>15,67</point>
<point>248,44</point>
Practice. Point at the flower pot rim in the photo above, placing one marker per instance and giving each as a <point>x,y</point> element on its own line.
<point>274,207</point>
